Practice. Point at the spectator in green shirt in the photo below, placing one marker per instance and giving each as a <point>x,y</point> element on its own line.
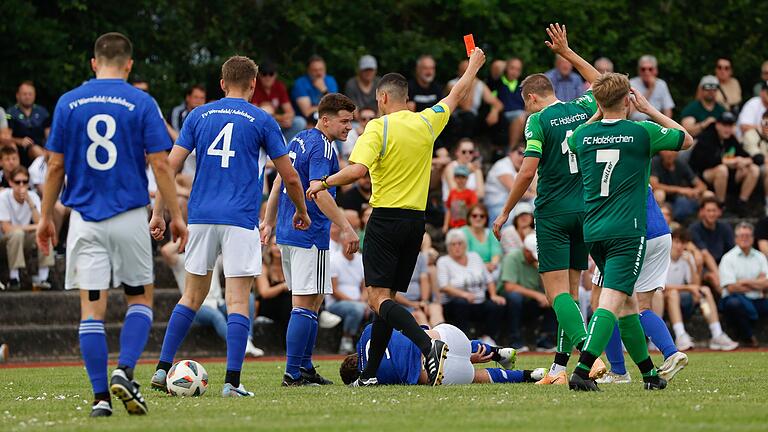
<point>702,112</point>
<point>521,286</point>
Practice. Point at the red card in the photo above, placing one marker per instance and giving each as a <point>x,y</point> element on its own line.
<point>469,43</point>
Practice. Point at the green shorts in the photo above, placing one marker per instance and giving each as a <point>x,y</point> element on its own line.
<point>620,261</point>
<point>560,242</point>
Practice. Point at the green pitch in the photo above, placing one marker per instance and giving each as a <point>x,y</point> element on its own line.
<point>716,392</point>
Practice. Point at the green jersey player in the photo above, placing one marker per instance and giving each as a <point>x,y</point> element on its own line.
<point>614,157</point>
<point>560,200</point>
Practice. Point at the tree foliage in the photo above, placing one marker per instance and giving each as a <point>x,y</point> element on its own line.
<point>178,43</point>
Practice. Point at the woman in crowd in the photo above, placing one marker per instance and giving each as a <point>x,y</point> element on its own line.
<point>480,239</point>
<point>522,225</point>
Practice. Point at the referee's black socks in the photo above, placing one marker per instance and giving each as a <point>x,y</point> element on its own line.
<point>381,333</point>
<point>400,319</point>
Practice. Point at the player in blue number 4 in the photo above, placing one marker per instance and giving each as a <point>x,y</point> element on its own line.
<point>305,256</point>
<point>232,139</point>
<point>101,133</point>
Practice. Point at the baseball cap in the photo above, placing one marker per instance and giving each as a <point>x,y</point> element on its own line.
<point>726,117</point>
<point>523,208</point>
<point>367,62</point>
<point>267,68</point>
<point>709,82</point>
<point>461,171</point>
<point>530,244</point>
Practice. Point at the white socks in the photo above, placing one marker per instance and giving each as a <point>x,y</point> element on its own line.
<point>42,273</point>
<point>715,329</point>
<point>556,369</point>
<point>14,274</point>
<point>679,329</point>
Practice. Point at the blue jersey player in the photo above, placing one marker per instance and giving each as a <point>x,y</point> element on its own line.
<point>102,132</point>
<point>305,256</point>
<point>402,361</point>
<point>233,140</point>
<point>652,278</point>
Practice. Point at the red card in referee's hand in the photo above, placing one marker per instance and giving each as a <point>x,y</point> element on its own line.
<point>469,43</point>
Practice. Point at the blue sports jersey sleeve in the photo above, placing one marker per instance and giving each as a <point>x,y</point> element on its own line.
<point>156,138</point>
<point>274,142</point>
<point>321,161</point>
<point>55,141</point>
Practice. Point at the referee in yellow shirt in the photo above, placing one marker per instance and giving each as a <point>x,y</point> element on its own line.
<point>397,150</point>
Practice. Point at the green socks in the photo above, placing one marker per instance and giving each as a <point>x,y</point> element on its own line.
<point>633,336</point>
<point>600,331</point>
<point>570,319</point>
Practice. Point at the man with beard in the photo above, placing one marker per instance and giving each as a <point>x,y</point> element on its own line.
<point>702,112</point>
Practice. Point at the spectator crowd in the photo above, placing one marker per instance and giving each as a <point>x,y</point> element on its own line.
<point>713,196</point>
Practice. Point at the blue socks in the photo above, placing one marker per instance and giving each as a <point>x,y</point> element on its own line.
<point>299,340</point>
<point>655,328</point>
<point>237,337</point>
<point>93,347</point>
<point>476,344</point>
<point>134,335</point>
<point>306,361</point>
<point>615,353</point>
<point>506,376</point>
<point>178,327</point>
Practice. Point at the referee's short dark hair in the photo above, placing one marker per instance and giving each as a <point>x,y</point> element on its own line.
<point>537,84</point>
<point>394,85</point>
<point>332,103</point>
<point>239,71</point>
<point>113,48</point>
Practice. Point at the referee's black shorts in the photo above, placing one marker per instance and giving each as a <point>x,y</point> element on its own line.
<point>392,244</point>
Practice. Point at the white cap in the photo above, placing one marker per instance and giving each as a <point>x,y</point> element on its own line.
<point>367,62</point>
<point>531,245</point>
<point>523,207</point>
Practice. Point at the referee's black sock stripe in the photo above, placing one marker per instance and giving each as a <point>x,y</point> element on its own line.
<point>399,318</point>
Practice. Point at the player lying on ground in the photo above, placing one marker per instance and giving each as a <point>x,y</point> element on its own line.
<point>614,157</point>
<point>653,276</point>
<point>102,135</point>
<point>402,362</point>
<point>559,210</point>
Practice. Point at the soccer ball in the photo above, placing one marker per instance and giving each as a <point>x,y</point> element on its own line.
<point>187,378</point>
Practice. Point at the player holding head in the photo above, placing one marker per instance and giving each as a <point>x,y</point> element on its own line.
<point>306,261</point>
<point>397,150</point>
<point>560,203</point>
<point>232,139</point>
<point>403,361</point>
<point>614,155</point>
<point>101,132</point>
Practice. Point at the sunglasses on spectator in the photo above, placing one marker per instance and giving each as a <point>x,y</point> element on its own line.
<point>723,67</point>
<point>21,182</point>
<point>467,151</point>
<point>367,118</point>
<point>647,69</point>
<point>478,216</point>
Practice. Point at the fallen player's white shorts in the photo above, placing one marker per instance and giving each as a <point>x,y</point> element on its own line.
<point>458,367</point>
<point>653,273</point>
<point>307,271</point>
<point>118,248</point>
<point>240,248</point>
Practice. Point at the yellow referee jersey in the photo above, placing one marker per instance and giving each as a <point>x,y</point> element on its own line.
<point>397,149</point>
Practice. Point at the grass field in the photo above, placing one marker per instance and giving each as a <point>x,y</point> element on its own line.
<point>716,392</point>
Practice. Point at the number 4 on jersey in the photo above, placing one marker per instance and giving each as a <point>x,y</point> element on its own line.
<point>573,166</point>
<point>225,152</point>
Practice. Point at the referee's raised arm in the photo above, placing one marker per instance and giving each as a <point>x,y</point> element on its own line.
<point>464,84</point>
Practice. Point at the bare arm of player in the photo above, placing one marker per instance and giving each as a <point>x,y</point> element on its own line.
<point>349,239</point>
<point>642,105</point>
<point>347,175</point>
<point>465,83</point>
<point>46,231</point>
<point>295,190</point>
<point>164,175</point>
<point>519,187</point>
<point>157,221</point>
<point>270,215</point>
<point>559,45</point>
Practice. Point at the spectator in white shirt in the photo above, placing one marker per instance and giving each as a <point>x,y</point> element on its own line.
<point>653,88</point>
<point>743,278</point>
<point>684,292</point>
<point>752,112</point>
<point>499,182</point>
<point>19,215</point>
<point>349,299</point>
<point>469,291</point>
